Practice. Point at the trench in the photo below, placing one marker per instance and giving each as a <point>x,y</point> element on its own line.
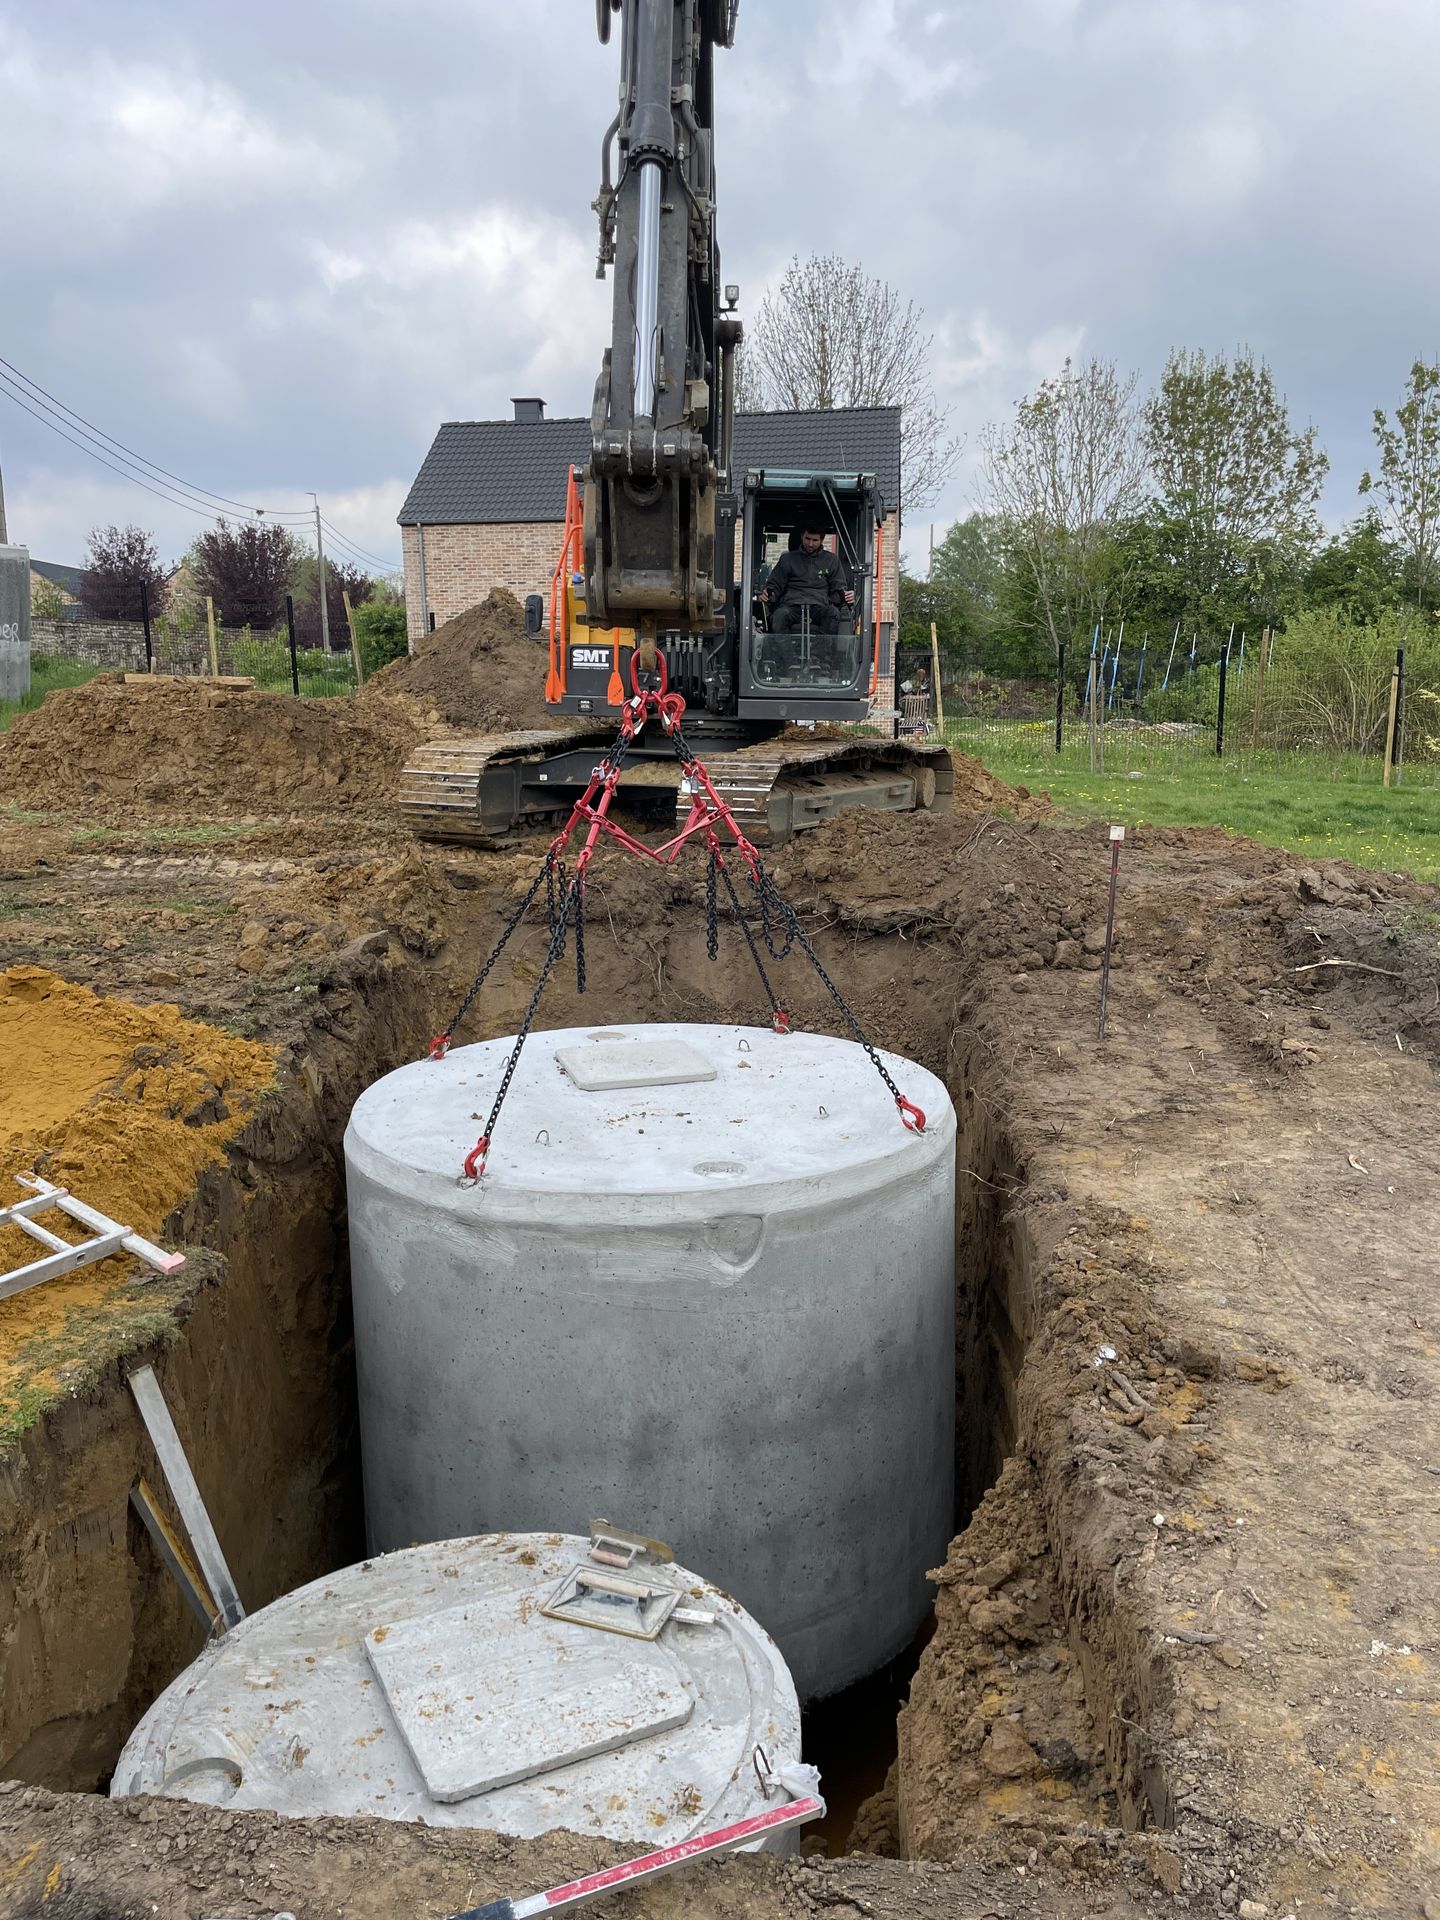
<point>262,1384</point>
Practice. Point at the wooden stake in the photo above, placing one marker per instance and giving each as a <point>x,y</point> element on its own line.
<point>354,637</point>
<point>214,653</point>
<point>1390,724</point>
<point>935,669</point>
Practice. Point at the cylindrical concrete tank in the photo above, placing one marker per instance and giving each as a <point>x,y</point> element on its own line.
<point>433,1685</point>
<point>706,1288</point>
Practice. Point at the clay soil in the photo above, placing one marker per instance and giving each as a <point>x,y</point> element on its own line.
<point>1185,1648</point>
<point>481,671</point>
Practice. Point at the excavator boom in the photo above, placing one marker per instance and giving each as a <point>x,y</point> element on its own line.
<point>664,401</point>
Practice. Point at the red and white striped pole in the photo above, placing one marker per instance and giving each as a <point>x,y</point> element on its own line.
<point>649,1866</point>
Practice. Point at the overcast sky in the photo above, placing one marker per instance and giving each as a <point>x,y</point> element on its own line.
<point>272,247</point>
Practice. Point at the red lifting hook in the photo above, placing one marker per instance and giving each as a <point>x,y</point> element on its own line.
<point>440,1046</point>
<point>475,1159</point>
<point>911,1116</point>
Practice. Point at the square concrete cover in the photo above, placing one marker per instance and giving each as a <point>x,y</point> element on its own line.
<point>606,1065</point>
<point>492,1692</point>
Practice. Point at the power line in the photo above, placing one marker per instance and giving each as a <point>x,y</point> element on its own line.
<point>354,545</point>
<point>124,473</point>
<point>359,552</point>
<point>65,422</point>
<point>119,446</point>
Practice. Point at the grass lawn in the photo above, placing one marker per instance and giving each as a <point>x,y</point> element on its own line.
<point>47,670</point>
<point>1319,808</point>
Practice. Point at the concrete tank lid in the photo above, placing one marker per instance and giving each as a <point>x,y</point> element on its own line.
<point>419,1684</point>
<point>797,1113</point>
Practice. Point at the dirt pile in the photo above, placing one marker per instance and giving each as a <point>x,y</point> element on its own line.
<point>481,670</point>
<point>193,749</point>
<point>123,1105</point>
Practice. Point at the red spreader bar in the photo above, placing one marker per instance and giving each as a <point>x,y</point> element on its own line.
<point>709,820</point>
<point>649,1866</point>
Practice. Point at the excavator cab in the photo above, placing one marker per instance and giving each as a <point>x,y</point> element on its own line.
<point>820,669</point>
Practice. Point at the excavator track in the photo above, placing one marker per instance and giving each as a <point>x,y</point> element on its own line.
<point>480,791</point>
<point>497,790</point>
<point>778,789</point>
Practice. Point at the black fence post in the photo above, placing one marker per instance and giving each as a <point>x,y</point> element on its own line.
<point>145,622</point>
<point>1220,710</point>
<point>1060,698</point>
<point>1397,744</point>
<point>294,657</point>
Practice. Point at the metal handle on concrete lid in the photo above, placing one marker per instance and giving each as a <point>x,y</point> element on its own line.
<point>617,1547</point>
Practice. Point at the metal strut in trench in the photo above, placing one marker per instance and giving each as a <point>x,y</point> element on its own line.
<point>779,928</point>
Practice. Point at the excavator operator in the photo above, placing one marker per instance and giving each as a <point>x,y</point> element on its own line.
<point>809,578</point>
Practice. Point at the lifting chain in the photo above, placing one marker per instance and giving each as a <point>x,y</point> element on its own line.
<point>565,892</point>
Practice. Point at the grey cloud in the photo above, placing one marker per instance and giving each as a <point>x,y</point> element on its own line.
<point>280,244</point>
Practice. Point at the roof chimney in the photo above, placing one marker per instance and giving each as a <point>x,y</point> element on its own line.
<point>528,410</point>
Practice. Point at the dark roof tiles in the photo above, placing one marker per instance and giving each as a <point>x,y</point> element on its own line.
<point>487,472</point>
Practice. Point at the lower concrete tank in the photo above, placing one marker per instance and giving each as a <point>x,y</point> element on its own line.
<point>466,1684</point>
<point>706,1288</point>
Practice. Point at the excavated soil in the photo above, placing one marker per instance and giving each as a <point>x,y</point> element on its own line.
<point>1185,1650</point>
<point>123,1106</point>
<point>189,751</point>
<point>482,671</point>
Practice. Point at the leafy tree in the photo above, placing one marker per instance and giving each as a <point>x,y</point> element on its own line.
<point>1359,573</point>
<point>380,628</point>
<point>1408,482</point>
<point>246,570</point>
<point>340,578</point>
<point>119,560</point>
<point>1236,486</point>
<point>47,602</point>
<point>1061,477</point>
<point>832,336</point>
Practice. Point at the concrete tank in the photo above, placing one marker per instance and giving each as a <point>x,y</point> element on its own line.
<point>431,1685</point>
<point>705,1288</point>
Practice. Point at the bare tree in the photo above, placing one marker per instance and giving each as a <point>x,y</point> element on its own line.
<point>832,336</point>
<point>1409,478</point>
<point>1062,477</point>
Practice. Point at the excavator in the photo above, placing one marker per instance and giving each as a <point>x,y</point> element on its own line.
<point>666,547</point>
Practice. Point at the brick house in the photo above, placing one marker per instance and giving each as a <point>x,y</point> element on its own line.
<point>488,505</point>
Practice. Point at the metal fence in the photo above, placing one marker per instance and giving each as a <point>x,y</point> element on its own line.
<point>264,643</point>
<point>1363,712</point>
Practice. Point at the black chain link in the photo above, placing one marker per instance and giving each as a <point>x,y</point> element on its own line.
<point>712,924</point>
<point>557,947</point>
<point>545,877</point>
<point>742,921</point>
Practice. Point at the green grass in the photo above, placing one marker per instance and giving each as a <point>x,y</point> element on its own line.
<point>47,671</point>
<point>1321,809</point>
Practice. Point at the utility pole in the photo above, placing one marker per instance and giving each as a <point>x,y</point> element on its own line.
<point>4,542</point>
<point>324,603</point>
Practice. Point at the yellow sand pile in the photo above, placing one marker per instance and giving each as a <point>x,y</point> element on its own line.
<point>123,1105</point>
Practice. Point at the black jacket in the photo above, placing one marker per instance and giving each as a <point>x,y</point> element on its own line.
<point>803,579</point>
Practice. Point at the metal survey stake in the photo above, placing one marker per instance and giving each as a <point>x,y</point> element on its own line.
<point>1117,834</point>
